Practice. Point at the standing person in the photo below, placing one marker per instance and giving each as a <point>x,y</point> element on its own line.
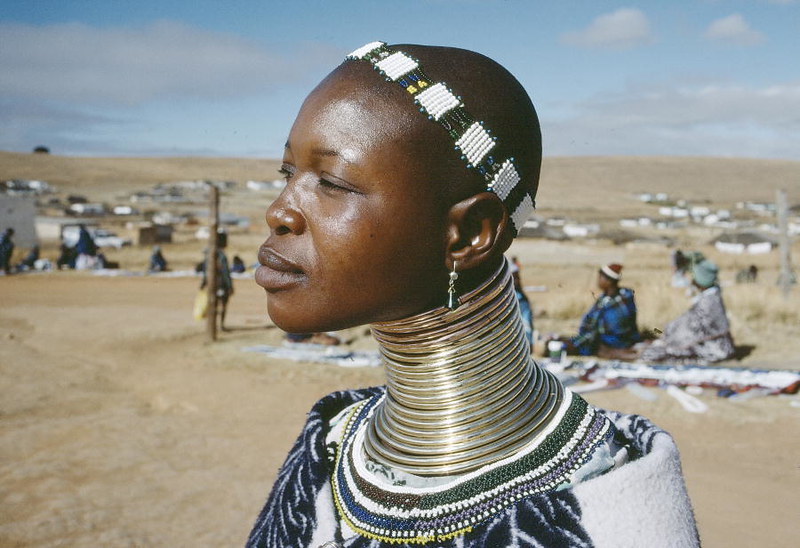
<point>470,443</point>
<point>702,333</point>
<point>86,250</point>
<point>6,250</point>
<point>224,281</point>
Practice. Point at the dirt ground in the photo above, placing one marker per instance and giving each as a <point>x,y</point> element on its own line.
<point>121,426</point>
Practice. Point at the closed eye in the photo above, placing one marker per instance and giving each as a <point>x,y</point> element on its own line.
<point>286,171</point>
<point>330,183</point>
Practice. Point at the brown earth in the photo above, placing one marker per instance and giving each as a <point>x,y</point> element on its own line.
<point>121,426</point>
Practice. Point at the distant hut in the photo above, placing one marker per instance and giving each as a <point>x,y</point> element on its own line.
<point>743,242</point>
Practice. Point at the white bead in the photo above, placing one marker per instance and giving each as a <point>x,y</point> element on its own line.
<point>522,212</point>
<point>505,180</point>
<point>475,143</point>
<point>365,49</point>
<point>396,65</point>
<point>437,100</point>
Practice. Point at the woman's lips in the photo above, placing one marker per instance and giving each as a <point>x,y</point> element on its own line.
<point>276,271</point>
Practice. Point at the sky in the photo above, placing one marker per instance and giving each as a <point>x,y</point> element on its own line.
<point>211,78</point>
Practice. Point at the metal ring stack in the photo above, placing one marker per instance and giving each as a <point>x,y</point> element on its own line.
<point>462,389</point>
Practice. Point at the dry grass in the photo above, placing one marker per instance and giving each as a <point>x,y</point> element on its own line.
<point>760,316</point>
<point>592,189</point>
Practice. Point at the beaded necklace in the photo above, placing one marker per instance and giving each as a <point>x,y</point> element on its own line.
<point>419,515</point>
<point>467,407</point>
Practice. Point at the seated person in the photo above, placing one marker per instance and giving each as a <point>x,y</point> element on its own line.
<point>157,261</point>
<point>609,327</point>
<point>237,265</point>
<point>702,333</point>
<point>681,265</point>
<point>30,259</point>
<point>66,257</point>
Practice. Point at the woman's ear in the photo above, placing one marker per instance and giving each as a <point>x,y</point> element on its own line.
<point>477,230</point>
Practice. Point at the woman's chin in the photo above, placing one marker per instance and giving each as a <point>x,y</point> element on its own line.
<point>292,319</point>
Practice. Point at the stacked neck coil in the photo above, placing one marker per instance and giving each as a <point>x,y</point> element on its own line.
<point>462,389</point>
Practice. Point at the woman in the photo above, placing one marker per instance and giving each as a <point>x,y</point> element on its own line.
<point>470,443</point>
<point>608,329</point>
<point>702,333</point>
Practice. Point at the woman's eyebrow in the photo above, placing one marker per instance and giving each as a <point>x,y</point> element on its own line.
<point>346,155</point>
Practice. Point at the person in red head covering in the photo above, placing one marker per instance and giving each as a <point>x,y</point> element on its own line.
<point>610,324</point>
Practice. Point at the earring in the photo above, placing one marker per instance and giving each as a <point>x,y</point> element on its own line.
<point>452,297</point>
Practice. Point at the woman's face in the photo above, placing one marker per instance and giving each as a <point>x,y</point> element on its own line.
<point>604,283</point>
<point>357,235</point>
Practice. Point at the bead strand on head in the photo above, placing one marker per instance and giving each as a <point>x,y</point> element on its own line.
<point>471,139</point>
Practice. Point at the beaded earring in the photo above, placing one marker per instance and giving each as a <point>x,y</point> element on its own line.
<point>452,296</point>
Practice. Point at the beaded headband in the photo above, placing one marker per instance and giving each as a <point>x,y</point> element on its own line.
<point>472,140</point>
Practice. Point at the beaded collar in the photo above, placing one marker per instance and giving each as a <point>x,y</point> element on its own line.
<point>470,137</point>
<point>419,515</point>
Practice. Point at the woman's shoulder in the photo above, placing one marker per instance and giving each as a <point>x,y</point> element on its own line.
<point>329,406</point>
<point>649,491</point>
<point>626,292</point>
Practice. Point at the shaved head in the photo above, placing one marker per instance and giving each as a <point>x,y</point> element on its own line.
<point>490,94</point>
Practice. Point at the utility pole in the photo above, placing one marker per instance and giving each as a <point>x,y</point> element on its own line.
<point>786,277</point>
<point>212,260</point>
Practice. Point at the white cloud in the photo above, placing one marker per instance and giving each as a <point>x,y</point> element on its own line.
<point>733,29</point>
<point>622,29</point>
<point>87,65</point>
<point>723,120</point>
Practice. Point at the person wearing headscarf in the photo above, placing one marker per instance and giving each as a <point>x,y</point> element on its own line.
<point>702,333</point>
<point>610,324</point>
<point>682,262</point>
<point>409,170</point>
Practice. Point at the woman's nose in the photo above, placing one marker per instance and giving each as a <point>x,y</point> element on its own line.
<point>283,217</point>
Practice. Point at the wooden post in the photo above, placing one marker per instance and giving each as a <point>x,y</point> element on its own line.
<point>211,260</point>
<point>786,277</point>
